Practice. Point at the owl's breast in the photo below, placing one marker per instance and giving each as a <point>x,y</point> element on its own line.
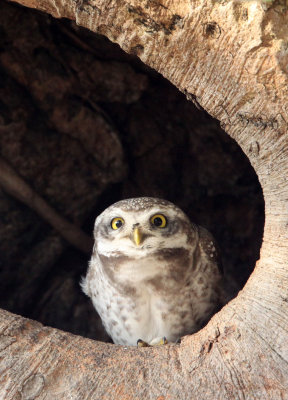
<point>151,296</point>
<point>138,301</point>
<point>138,313</point>
<point>160,265</point>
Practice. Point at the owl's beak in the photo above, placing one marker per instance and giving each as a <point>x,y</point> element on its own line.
<point>137,236</point>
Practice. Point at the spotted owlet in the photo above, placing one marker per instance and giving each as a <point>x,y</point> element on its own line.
<point>153,273</point>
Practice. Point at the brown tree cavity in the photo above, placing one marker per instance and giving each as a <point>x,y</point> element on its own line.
<point>82,125</point>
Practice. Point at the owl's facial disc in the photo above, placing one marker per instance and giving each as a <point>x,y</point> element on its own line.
<point>140,233</point>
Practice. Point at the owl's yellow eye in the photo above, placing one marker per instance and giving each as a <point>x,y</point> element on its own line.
<point>116,223</point>
<point>159,220</point>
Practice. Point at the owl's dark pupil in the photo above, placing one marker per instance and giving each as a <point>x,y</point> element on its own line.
<point>157,221</point>
<point>118,223</point>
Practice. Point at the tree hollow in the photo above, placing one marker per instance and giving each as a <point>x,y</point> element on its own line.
<point>231,59</point>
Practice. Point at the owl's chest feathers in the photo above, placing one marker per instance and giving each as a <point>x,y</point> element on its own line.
<point>161,272</point>
<point>134,294</point>
<point>137,311</point>
<point>150,296</point>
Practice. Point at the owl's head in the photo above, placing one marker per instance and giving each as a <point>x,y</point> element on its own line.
<point>142,226</point>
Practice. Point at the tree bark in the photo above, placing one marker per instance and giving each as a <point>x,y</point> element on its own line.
<point>230,58</point>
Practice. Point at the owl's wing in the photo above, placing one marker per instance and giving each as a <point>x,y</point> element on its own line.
<point>209,247</point>
<point>84,285</point>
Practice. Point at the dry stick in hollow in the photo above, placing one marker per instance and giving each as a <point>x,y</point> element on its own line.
<point>14,185</point>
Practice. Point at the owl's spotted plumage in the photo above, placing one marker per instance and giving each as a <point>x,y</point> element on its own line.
<point>152,273</point>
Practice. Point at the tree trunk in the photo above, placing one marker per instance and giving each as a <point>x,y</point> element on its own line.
<point>230,58</point>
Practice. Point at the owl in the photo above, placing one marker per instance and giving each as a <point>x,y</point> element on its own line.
<point>153,274</point>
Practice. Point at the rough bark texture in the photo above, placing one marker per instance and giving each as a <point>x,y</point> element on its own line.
<point>231,58</point>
